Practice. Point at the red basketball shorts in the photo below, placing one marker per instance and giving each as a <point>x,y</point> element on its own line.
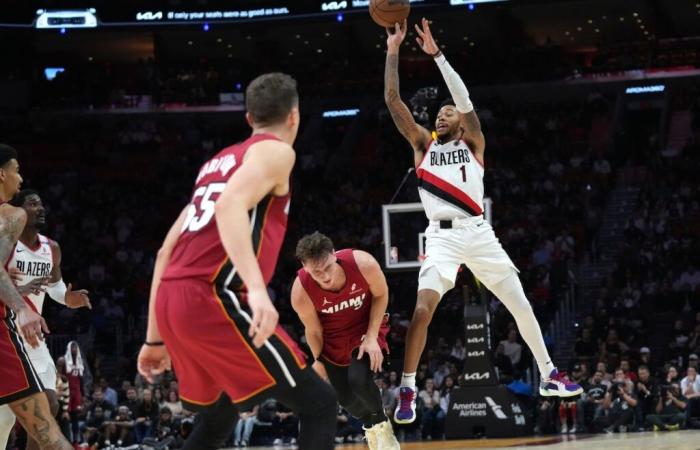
<point>206,334</point>
<point>18,379</point>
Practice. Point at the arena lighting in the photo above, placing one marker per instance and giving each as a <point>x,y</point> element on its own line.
<point>205,26</point>
<point>471,3</point>
<point>84,18</point>
<point>339,18</point>
<point>645,89</point>
<point>51,72</point>
<point>341,113</point>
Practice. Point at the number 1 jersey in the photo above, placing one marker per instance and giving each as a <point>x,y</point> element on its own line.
<point>199,253</point>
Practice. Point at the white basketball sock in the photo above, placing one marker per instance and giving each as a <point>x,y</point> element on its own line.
<point>408,380</point>
<point>510,292</point>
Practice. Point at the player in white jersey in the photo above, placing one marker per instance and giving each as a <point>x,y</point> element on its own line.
<point>450,173</point>
<point>35,267</point>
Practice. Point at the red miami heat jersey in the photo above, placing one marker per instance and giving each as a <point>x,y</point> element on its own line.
<point>344,315</point>
<point>198,252</point>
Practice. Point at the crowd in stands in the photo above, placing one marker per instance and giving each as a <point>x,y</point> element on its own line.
<point>637,353</point>
<point>547,177</point>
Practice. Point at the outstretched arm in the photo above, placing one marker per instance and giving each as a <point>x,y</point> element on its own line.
<point>372,272</point>
<point>458,90</point>
<point>418,136</point>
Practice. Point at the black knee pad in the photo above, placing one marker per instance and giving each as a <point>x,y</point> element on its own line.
<point>213,426</point>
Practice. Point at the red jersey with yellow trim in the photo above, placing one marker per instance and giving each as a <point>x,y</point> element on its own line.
<point>451,181</point>
<point>344,315</point>
<point>199,253</point>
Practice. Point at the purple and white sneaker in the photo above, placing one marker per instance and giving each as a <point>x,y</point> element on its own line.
<point>406,409</point>
<point>559,385</point>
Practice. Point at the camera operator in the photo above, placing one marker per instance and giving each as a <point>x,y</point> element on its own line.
<point>618,405</point>
<point>670,410</point>
<point>647,392</point>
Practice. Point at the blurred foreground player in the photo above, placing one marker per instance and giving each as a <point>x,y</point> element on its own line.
<point>341,298</point>
<point>209,303</point>
<point>20,386</point>
<point>450,174</point>
<point>36,269</point>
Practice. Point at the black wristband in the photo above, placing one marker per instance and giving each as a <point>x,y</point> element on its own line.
<point>436,54</point>
<point>153,344</point>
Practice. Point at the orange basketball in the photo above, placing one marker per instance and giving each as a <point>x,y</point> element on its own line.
<point>388,12</point>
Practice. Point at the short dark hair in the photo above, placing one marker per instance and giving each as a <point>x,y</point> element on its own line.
<point>313,246</point>
<point>19,199</point>
<point>447,102</point>
<point>6,154</point>
<point>270,97</point>
<point>643,367</point>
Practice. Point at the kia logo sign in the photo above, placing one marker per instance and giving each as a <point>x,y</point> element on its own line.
<point>475,326</point>
<point>149,16</point>
<point>475,340</point>
<point>475,354</point>
<point>477,376</point>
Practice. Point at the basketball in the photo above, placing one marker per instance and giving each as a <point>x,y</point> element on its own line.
<point>388,12</point>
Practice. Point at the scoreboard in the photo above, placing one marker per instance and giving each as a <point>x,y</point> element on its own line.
<point>145,13</point>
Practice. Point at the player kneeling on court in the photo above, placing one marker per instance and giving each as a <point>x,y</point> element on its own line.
<point>341,297</point>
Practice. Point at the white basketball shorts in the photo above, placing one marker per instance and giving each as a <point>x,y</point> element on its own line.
<point>470,241</point>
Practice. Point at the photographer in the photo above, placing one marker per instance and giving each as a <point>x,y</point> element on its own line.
<point>670,410</point>
<point>618,405</point>
<point>647,394</point>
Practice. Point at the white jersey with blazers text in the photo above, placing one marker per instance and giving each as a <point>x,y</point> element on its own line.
<point>451,187</point>
<point>35,262</point>
<point>451,181</point>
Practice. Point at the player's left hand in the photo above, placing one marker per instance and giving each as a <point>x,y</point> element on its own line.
<point>153,360</point>
<point>77,299</point>
<point>371,347</point>
<point>425,38</point>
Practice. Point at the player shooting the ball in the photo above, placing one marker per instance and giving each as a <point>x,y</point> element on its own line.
<point>450,174</point>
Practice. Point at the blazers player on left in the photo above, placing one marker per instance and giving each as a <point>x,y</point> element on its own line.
<point>35,267</point>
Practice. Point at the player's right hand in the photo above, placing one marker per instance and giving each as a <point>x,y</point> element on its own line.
<point>395,36</point>
<point>153,360</point>
<point>320,369</point>
<point>265,316</point>
<point>32,325</point>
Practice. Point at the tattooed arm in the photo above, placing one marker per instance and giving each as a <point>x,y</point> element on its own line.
<point>473,134</point>
<point>469,121</point>
<point>418,136</point>
<point>12,222</point>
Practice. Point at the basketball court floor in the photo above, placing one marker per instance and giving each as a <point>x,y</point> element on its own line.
<point>678,440</point>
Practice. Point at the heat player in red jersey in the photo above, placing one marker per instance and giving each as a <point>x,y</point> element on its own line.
<point>209,309</point>
<point>341,298</point>
<point>20,386</point>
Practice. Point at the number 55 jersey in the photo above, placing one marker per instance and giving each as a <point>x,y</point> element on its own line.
<point>199,253</point>
<point>201,306</point>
